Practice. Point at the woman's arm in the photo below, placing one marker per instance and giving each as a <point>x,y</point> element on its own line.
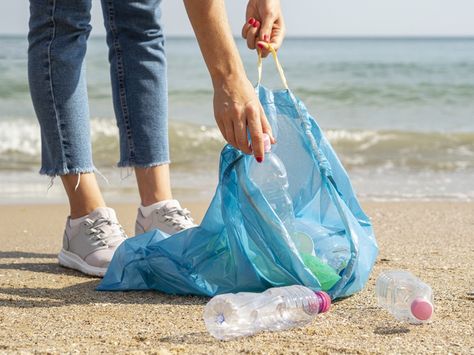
<point>236,106</point>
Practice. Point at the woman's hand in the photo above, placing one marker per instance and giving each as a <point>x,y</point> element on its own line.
<point>264,22</point>
<point>236,109</point>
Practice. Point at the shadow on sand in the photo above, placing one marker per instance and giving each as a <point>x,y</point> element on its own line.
<point>388,330</point>
<point>83,292</point>
<point>22,254</point>
<point>189,338</point>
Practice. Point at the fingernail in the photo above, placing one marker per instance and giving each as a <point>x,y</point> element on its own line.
<point>251,21</point>
<point>259,159</point>
<point>265,38</point>
<point>256,24</point>
<point>260,45</point>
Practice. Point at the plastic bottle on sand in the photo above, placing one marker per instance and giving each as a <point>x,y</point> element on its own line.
<point>238,314</point>
<point>405,296</point>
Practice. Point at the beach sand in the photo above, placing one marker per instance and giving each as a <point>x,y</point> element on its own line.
<point>48,309</point>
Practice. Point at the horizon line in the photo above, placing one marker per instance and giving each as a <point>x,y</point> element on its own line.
<point>178,36</point>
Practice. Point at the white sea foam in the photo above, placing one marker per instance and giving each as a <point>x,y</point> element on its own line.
<point>382,164</point>
<point>20,136</point>
<point>20,146</point>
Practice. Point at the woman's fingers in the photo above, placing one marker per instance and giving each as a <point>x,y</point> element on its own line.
<point>264,52</point>
<point>246,27</point>
<point>257,124</point>
<point>229,131</point>
<point>252,34</point>
<point>266,28</point>
<point>275,39</point>
<point>239,114</point>
<point>230,136</point>
<point>255,128</point>
<point>221,126</point>
<point>240,132</point>
<point>278,33</point>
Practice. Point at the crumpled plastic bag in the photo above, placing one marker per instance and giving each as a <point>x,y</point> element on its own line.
<point>241,244</point>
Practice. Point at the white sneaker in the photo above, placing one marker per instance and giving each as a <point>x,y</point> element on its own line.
<point>89,246</point>
<point>169,218</point>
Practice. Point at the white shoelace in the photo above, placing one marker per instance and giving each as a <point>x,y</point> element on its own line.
<point>177,217</point>
<point>105,230</point>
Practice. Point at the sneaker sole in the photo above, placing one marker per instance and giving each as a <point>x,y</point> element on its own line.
<point>73,261</point>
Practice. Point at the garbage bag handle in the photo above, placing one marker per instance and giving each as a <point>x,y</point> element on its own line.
<point>272,50</point>
<point>323,163</point>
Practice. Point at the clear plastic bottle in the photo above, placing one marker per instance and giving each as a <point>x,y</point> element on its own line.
<point>335,251</point>
<point>271,177</point>
<point>240,314</point>
<point>405,296</point>
<point>333,248</point>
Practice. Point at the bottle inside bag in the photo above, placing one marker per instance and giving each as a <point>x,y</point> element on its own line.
<point>272,179</point>
<point>331,246</point>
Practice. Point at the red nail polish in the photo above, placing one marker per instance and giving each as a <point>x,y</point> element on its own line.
<point>260,45</point>
<point>256,24</point>
<point>265,38</point>
<point>251,21</point>
<point>259,159</point>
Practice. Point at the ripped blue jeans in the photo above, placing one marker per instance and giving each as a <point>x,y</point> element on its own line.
<point>57,38</point>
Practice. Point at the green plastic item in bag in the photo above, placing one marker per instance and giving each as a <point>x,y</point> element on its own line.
<point>326,275</point>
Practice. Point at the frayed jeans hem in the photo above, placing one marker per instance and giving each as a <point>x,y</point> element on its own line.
<point>66,171</point>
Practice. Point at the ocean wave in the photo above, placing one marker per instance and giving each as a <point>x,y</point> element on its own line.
<point>193,146</point>
<point>190,144</point>
<point>390,150</point>
<point>394,94</point>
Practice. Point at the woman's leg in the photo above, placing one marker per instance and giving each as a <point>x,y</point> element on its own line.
<point>57,45</point>
<point>138,71</point>
<point>84,197</point>
<point>153,184</point>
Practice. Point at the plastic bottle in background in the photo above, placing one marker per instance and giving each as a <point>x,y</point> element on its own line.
<point>405,296</point>
<point>232,315</point>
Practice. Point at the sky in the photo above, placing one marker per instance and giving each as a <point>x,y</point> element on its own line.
<point>307,17</point>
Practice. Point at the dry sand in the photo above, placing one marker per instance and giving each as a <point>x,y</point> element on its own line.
<point>45,308</point>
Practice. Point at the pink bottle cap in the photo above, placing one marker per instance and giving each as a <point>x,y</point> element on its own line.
<point>421,309</point>
<point>267,144</point>
<point>324,301</point>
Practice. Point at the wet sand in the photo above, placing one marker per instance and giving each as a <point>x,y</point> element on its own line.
<point>48,309</point>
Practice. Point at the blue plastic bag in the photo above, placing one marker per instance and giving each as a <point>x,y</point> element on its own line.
<point>241,244</point>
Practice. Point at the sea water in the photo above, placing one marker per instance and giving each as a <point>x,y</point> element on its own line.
<point>399,112</point>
